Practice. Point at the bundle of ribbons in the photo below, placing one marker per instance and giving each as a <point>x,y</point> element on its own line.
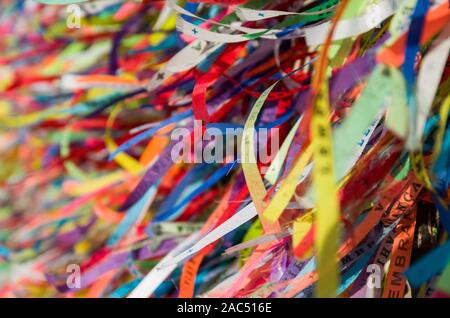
<point>224,148</point>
